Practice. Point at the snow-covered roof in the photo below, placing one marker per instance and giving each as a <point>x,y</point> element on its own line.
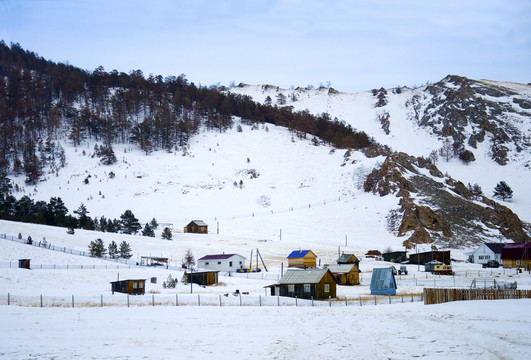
<point>198,222</point>
<point>342,268</point>
<point>308,276</point>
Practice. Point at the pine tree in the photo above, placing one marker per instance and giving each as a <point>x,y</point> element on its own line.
<point>154,224</point>
<point>503,191</point>
<point>125,250</point>
<point>129,222</point>
<point>113,250</point>
<point>148,231</point>
<point>97,248</point>
<point>166,233</point>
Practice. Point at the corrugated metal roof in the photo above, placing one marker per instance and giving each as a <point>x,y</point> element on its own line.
<point>218,257</point>
<point>309,276</point>
<point>342,268</point>
<point>298,254</point>
<point>345,257</point>
<point>382,278</point>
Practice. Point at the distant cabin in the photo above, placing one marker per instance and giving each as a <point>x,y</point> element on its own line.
<point>424,257</point>
<point>302,259</point>
<point>430,265</point>
<point>133,287</point>
<point>383,281</point>
<point>486,252</point>
<point>197,227</point>
<point>349,259</point>
<point>395,256</point>
<point>516,255</point>
<point>345,274</point>
<point>222,262</point>
<point>205,278</point>
<point>306,284</point>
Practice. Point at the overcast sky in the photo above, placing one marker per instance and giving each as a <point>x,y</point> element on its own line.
<point>355,45</point>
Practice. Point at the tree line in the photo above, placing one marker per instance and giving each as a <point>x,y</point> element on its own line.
<point>42,102</point>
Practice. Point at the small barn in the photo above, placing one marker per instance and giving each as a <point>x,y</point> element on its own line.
<point>383,282</point>
<point>349,259</point>
<point>424,257</point>
<point>24,263</point>
<point>486,252</point>
<point>395,256</point>
<point>517,255</point>
<point>306,284</point>
<point>132,286</point>
<point>205,278</point>
<point>302,259</point>
<point>345,274</point>
<point>222,262</point>
<point>196,227</point>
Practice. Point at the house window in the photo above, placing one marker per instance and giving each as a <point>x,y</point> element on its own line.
<point>140,285</point>
<point>135,285</point>
<point>291,288</point>
<point>206,263</point>
<point>230,263</point>
<point>240,263</point>
<point>307,288</point>
<point>219,262</point>
<point>326,288</point>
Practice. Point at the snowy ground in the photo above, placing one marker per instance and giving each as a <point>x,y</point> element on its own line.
<point>464,330</point>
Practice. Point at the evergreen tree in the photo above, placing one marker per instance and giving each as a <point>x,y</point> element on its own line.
<point>166,233</point>
<point>125,250</point>
<point>148,231</point>
<point>503,191</point>
<point>113,250</point>
<point>129,222</point>
<point>83,218</point>
<point>29,241</point>
<point>97,248</point>
<point>154,224</point>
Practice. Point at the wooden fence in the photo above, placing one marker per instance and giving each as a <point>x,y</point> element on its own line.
<point>439,296</point>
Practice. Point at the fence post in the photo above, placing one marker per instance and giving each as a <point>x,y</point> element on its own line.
<point>153,299</point>
<point>360,302</point>
<point>8,298</point>
<point>240,299</point>
<point>402,298</point>
<point>72,300</point>
<point>329,301</point>
<point>346,302</point>
<point>101,298</point>
<point>176,300</point>
<point>219,300</point>
<point>260,300</point>
<point>41,300</point>
<point>389,298</point>
<point>374,299</point>
<point>127,300</point>
<point>198,300</point>
<point>295,301</point>
<point>278,300</point>
<point>312,300</point>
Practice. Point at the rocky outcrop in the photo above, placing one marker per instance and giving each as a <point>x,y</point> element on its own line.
<point>440,212</point>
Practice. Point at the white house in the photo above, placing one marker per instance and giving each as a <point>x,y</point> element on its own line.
<point>222,262</point>
<point>486,252</point>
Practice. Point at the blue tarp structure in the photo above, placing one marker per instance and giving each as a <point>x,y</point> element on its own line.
<point>383,282</point>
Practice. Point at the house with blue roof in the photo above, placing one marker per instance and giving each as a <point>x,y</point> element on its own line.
<point>302,259</point>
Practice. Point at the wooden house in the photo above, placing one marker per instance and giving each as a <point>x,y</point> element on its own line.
<point>517,255</point>
<point>395,256</point>
<point>222,262</point>
<point>24,263</point>
<point>424,257</point>
<point>306,284</point>
<point>197,227</point>
<point>383,281</point>
<point>349,259</point>
<point>205,278</point>
<point>132,286</point>
<point>345,274</point>
<point>302,259</point>
<point>486,252</point>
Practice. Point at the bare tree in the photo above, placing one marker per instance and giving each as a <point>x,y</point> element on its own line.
<point>189,259</point>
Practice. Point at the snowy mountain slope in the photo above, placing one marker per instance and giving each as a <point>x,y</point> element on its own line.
<point>418,116</point>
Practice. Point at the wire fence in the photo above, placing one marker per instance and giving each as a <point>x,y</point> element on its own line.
<point>124,300</point>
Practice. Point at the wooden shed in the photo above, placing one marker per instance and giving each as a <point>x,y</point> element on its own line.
<point>302,259</point>
<point>383,281</point>
<point>197,227</point>
<point>345,274</point>
<point>349,259</point>
<point>516,255</point>
<point>424,257</point>
<point>205,278</point>
<point>306,284</point>
<point>131,286</point>
<point>24,263</point>
<point>395,256</point>
<point>376,254</point>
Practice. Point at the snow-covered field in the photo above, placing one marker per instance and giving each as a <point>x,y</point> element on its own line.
<point>464,330</point>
